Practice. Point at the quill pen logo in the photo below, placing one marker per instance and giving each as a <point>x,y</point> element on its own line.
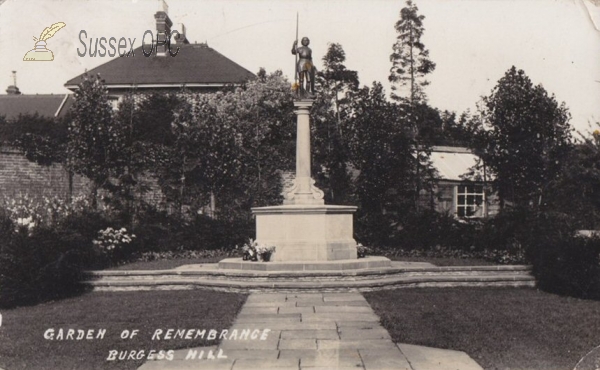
<point>40,53</point>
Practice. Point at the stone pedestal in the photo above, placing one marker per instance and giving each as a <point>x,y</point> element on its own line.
<point>307,232</point>
<point>304,228</point>
<point>304,191</point>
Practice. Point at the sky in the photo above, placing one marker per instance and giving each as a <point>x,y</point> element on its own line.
<point>472,42</point>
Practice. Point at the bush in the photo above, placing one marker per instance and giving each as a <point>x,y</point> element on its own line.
<point>204,232</point>
<point>375,229</point>
<point>39,264</point>
<point>430,229</point>
<point>568,265</point>
<point>160,232</point>
<point>78,230</point>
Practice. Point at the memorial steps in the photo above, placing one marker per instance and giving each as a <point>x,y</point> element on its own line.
<point>398,275</point>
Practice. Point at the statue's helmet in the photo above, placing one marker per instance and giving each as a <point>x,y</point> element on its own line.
<point>305,41</point>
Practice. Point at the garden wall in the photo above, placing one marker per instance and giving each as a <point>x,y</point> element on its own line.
<point>19,175</point>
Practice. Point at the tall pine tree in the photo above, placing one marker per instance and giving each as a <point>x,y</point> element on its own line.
<point>410,59</point>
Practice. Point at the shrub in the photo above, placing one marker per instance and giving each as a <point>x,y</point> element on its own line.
<point>431,229</point>
<point>160,232</point>
<point>375,229</point>
<point>39,264</point>
<point>204,232</point>
<point>568,265</point>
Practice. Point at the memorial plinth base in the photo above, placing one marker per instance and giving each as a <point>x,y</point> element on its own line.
<point>307,232</point>
<point>368,263</point>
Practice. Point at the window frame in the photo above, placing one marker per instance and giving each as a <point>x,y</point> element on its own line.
<point>466,205</point>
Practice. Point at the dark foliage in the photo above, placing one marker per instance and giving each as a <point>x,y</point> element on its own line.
<point>160,232</point>
<point>563,262</point>
<point>568,265</point>
<point>41,264</point>
<point>429,229</point>
<point>42,139</point>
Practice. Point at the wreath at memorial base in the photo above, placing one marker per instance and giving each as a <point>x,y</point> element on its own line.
<point>252,251</point>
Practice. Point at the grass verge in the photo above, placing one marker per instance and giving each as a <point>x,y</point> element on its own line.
<point>446,261</point>
<point>500,328</point>
<point>22,343</point>
<point>166,264</point>
<point>171,263</point>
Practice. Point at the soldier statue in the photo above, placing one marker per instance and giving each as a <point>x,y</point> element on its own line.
<point>304,68</point>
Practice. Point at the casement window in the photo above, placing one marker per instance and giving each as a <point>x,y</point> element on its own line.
<point>470,201</point>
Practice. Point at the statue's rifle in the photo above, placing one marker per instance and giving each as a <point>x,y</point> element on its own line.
<point>296,54</point>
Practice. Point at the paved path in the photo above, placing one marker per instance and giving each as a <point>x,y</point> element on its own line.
<point>317,332</point>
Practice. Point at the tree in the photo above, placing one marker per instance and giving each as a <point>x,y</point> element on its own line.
<point>228,148</point>
<point>410,59</point>
<point>390,170</point>
<point>335,81</point>
<point>523,136</point>
<point>262,115</point>
<point>95,146</point>
<point>577,191</point>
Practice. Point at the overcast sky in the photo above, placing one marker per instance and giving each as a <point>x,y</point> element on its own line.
<point>473,42</point>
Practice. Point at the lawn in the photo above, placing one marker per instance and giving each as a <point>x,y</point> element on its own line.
<point>446,261</point>
<point>501,328</point>
<point>22,343</point>
<point>166,264</point>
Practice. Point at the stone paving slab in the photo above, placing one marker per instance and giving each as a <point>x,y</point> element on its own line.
<point>298,343</point>
<point>341,325</point>
<point>333,359</point>
<point>225,364</point>
<point>344,297</point>
<point>270,304</point>
<point>381,359</point>
<point>343,309</point>
<point>315,331</point>
<point>333,304</point>
<point>426,358</point>
<point>342,316</point>
<point>314,334</point>
<point>356,344</point>
<point>308,309</point>
<point>261,354</point>
<point>375,333</point>
<point>245,364</point>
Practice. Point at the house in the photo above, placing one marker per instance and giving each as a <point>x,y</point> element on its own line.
<point>463,187</point>
<point>196,67</point>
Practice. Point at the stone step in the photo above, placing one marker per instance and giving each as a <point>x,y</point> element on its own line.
<point>342,283</point>
<point>365,274</point>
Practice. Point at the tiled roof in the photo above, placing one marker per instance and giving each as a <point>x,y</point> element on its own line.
<point>49,105</point>
<point>194,64</point>
<point>454,163</point>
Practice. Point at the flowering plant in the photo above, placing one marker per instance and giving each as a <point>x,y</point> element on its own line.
<point>254,252</point>
<point>362,251</point>
<point>109,239</point>
<point>25,223</point>
<point>29,211</point>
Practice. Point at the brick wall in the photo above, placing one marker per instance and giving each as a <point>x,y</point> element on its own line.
<point>19,175</point>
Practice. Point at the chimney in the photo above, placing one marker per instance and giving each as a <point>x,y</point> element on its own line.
<point>163,28</point>
<point>13,89</point>
<point>180,36</point>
